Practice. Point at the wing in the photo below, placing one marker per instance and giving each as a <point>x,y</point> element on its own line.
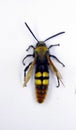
<point>29,73</point>
<point>54,69</point>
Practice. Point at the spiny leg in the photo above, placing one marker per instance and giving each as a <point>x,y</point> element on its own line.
<point>58,82</point>
<point>57,60</point>
<point>53,45</point>
<point>25,58</point>
<point>30,47</point>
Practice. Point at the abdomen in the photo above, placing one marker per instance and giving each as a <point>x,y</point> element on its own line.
<point>41,82</point>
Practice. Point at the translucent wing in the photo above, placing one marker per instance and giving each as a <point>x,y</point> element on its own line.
<point>29,73</point>
<point>54,69</point>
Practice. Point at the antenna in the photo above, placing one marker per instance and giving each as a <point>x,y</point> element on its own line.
<point>54,36</point>
<point>31,31</point>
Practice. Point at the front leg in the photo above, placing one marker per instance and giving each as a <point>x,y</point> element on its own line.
<point>30,47</point>
<point>53,45</point>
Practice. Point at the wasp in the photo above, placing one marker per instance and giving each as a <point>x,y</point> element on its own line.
<point>42,63</point>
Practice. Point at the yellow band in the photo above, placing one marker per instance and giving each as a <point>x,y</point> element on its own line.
<point>45,82</point>
<point>45,74</point>
<point>38,74</point>
<point>38,82</point>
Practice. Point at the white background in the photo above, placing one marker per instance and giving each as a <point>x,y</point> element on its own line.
<point>18,107</point>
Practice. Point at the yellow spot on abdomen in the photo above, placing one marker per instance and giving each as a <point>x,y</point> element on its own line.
<point>38,82</point>
<point>45,82</point>
<point>45,74</point>
<point>38,74</point>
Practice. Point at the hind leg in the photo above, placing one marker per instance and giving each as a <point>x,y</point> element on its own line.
<point>58,82</point>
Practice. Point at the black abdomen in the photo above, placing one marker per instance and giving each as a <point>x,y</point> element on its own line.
<point>41,82</point>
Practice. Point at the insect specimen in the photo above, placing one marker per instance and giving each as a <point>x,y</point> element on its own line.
<point>42,62</point>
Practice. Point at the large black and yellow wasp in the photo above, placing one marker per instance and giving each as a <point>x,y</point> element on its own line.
<point>42,62</point>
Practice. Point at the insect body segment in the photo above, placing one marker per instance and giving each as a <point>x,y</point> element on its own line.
<point>42,62</point>
<point>41,71</point>
<point>41,86</point>
<point>41,78</point>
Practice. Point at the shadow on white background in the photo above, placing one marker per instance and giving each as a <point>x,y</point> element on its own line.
<point>18,106</point>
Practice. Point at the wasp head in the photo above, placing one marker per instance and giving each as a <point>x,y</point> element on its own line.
<point>40,43</point>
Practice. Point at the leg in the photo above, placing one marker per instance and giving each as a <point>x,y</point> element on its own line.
<point>30,47</point>
<point>57,60</point>
<point>26,69</point>
<point>53,45</point>
<point>58,82</point>
<point>25,58</point>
